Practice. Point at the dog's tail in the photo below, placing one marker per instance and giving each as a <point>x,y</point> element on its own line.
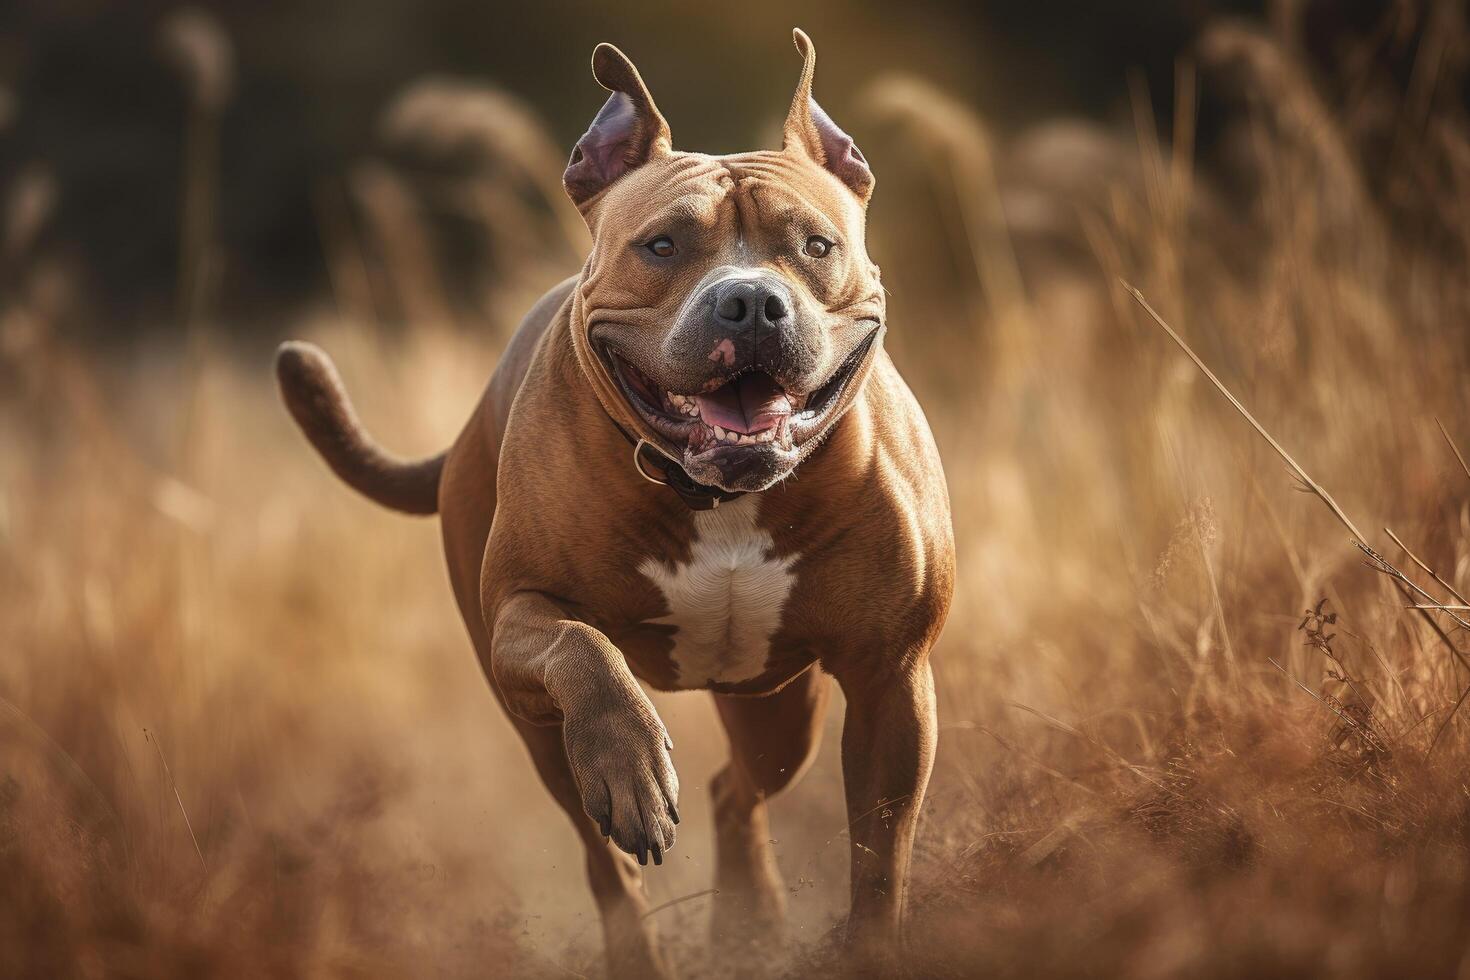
<point>314,394</point>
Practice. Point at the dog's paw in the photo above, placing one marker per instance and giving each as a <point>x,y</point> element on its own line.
<point>619,755</point>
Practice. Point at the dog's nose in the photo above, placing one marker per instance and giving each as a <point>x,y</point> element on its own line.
<point>752,303</point>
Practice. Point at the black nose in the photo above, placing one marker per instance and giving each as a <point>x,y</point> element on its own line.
<point>752,303</point>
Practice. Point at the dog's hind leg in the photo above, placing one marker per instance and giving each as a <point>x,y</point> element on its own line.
<point>616,879</point>
<point>772,741</point>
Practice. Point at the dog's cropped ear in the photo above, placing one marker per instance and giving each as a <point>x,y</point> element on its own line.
<point>810,130</point>
<point>626,134</point>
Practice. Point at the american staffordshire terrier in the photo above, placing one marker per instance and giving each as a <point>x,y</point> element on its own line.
<point>696,467</point>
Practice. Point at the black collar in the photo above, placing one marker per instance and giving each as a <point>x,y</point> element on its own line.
<point>696,496</point>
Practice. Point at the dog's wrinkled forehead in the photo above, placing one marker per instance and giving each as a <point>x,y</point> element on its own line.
<point>742,198</point>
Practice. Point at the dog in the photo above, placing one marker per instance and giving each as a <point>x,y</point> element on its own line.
<point>623,507</point>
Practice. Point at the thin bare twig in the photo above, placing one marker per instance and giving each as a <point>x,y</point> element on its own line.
<point>1425,568</point>
<point>1308,484</point>
<point>1054,773</point>
<point>1407,585</point>
<point>1077,733</point>
<point>1423,608</point>
<point>1453,448</point>
<point>681,900</point>
<point>1311,485</point>
<point>1365,732</point>
<point>1447,719</point>
<point>1309,692</point>
<point>177,798</point>
<point>1375,560</point>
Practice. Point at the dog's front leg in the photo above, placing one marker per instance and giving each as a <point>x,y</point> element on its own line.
<point>553,669</point>
<point>888,741</point>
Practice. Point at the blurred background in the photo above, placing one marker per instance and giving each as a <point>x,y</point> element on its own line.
<point>297,99</point>
<point>241,730</point>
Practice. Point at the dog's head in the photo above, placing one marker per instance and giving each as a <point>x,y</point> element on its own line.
<point>728,312</point>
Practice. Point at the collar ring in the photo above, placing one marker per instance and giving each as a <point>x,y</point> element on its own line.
<point>638,463</point>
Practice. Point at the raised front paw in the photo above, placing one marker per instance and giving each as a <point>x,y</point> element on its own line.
<point>619,754</point>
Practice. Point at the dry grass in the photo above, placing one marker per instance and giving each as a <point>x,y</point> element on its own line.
<point>241,730</point>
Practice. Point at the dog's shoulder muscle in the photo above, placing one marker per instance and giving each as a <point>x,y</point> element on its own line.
<point>467,500</point>
<point>516,360</point>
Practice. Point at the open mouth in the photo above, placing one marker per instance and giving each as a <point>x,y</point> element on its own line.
<point>746,410</point>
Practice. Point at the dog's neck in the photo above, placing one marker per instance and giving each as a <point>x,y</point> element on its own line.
<point>603,408</point>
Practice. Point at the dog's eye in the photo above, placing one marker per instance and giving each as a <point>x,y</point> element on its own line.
<point>818,247</point>
<point>662,246</point>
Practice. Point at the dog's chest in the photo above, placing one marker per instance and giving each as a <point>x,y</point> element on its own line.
<point>726,600</point>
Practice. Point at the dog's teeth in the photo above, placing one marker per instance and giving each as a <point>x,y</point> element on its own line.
<point>719,433</point>
<point>683,404</point>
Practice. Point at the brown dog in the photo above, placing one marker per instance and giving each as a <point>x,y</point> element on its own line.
<point>726,327</point>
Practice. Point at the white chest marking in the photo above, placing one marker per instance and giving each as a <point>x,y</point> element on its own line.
<point>727,599</point>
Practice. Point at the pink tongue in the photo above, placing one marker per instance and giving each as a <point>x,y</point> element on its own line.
<point>751,403</point>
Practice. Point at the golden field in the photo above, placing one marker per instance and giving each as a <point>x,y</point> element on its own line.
<point>242,731</point>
